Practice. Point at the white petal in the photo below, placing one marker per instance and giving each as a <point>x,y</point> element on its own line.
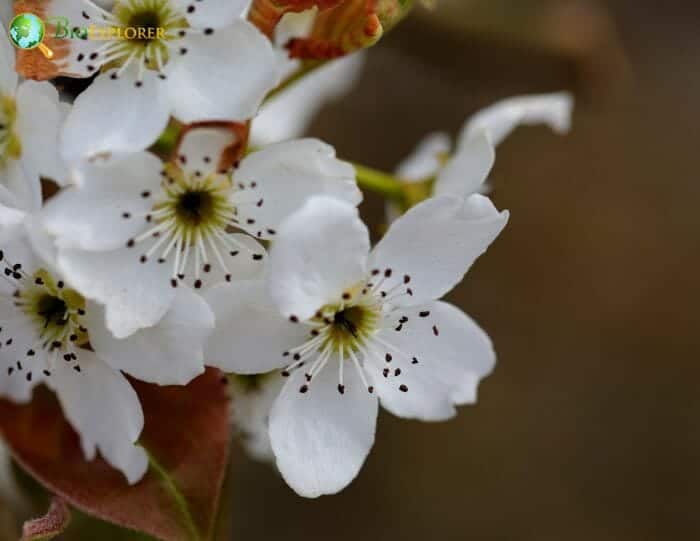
<point>212,13</point>
<point>11,214</point>
<point>289,113</point>
<point>115,117</point>
<point>501,118</point>
<point>69,50</point>
<point>92,217</point>
<point>135,296</point>
<point>321,438</point>
<point>251,335</point>
<point>224,76</point>
<point>426,160</point>
<point>320,252</point>
<point>18,249</point>
<point>248,263</point>
<point>9,217</point>
<point>170,353</point>
<point>41,242</point>
<point>24,187</point>
<point>435,243</point>
<point>8,76</point>
<point>16,386</point>
<point>103,408</point>
<point>453,355</point>
<point>202,149</point>
<point>285,176</point>
<point>468,169</point>
<point>39,117</point>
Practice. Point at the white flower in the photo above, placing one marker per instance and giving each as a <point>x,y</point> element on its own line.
<point>358,327</point>
<point>209,64</point>
<point>137,228</point>
<point>46,327</point>
<point>30,115</point>
<point>288,114</point>
<point>465,172</point>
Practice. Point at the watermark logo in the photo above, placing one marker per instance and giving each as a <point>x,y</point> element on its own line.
<point>27,32</point>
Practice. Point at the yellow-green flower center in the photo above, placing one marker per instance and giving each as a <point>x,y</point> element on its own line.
<point>196,207</point>
<point>348,328</point>
<point>55,310</point>
<point>137,33</point>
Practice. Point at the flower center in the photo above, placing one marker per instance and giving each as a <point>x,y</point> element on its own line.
<point>10,146</point>
<point>352,331</point>
<point>191,222</point>
<point>196,207</point>
<point>137,32</point>
<point>55,310</point>
<point>350,326</point>
<point>149,21</point>
<point>52,310</point>
<point>43,315</point>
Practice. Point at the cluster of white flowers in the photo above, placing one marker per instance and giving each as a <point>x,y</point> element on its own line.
<point>157,269</point>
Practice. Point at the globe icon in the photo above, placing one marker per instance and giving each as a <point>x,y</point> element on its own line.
<point>27,31</point>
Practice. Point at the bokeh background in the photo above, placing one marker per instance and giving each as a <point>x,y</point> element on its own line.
<point>589,428</point>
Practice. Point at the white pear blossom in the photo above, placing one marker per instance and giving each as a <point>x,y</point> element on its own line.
<point>206,62</point>
<point>137,228</point>
<point>50,334</point>
<point>30,116</point>
<point>352,327</point>
<point>466,171</point>
<point>288,114</point>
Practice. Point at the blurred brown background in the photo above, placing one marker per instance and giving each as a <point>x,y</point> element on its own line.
<point>588,430</point>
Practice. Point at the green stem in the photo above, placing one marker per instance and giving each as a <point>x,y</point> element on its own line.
<point>179,499</point>
<point>306,68</point>
<point>379,182</point>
